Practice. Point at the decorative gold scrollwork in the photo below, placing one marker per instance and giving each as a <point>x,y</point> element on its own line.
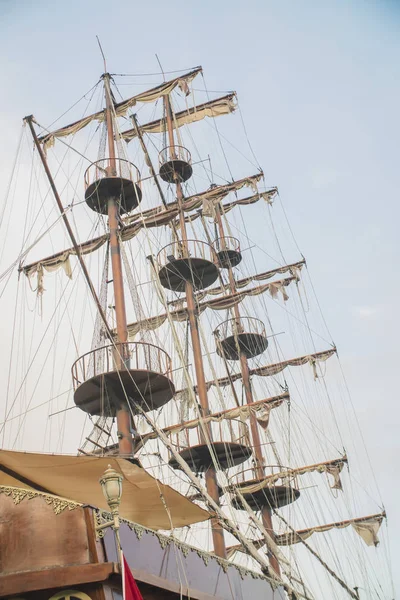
<point>70,595</point>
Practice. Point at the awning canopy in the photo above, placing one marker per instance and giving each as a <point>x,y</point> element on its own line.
<point>145,500</point>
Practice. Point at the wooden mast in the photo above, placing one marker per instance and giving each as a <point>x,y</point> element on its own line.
<point>244,369</point>
<point>210,474</point>
<point>125,440</point>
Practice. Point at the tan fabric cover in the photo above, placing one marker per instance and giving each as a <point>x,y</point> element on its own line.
<point>77,478</point>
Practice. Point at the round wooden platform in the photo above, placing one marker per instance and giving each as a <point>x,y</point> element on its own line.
<point>127,193</point>
<point>229,258</point>
<point>199,458</point>
<point>250,344</point>
<point>201,272</point>
<point>273,497</point>
<point>104,394</point>
<point>176,170</point>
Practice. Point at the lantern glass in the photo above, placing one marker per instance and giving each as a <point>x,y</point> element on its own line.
<point>111,484</point>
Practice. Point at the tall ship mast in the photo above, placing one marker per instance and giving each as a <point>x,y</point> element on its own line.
<point>218,425</point>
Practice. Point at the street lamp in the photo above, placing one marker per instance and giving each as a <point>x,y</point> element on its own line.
<point>111,484</point>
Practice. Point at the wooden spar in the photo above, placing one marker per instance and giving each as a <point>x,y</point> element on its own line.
<point>210,475</point>
<point>119,107</point>
<point>241,282</point>
<point>144,437</point>
<point>256,370</point>
<point>227,370</point>
<point>324,564</point>
<point>140,440</point>
<point>339,524</point>
<point>148,160</point>
<point>132,224</point>
<point>75,244</point>
<point>125,441</point>
<point>151,167</point>
<point>321,464</point>
<point>245,372</point>
<point>261,542</point>
<point>129,134</point>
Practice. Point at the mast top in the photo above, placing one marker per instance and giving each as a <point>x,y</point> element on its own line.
<point>102,53</point>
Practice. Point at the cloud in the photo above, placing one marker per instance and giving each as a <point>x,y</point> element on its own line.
<point>364,312</point>
<point>324,177</point>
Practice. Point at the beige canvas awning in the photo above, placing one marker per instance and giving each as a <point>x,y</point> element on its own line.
<point>77,478</point>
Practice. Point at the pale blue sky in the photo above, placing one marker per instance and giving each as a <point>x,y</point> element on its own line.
<point>319,86</point>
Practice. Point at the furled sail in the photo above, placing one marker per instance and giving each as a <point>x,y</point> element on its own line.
<point>366,527</point>
<point>311,359</point>
<point>223,303</point>
<point>61,260</point>
<point>293,268</point>
<point>257,408</point>
<point>214,194</point>
<point>121,107</point>
<point>153,217</point>
<point>333,467</point>
<point>268,370</point>
<point>214,108</point>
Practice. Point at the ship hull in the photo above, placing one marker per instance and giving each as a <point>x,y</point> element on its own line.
<point>49,545</point>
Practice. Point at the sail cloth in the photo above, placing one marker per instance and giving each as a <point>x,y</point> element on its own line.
<point>154,217</point>
<point>208,207</point>
<point>294,269</point>
<point>259,409</point>
<point>215,194</point>
<point>333,468</point>
<point>366,528</point>
<point>61,260</point>
<point>215,108</point>
<point>268,370</point>
<point>223,303</point>
<point>145,500</point>
<point>121,107</point>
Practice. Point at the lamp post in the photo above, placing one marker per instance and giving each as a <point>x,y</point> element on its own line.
<point>111,484</point>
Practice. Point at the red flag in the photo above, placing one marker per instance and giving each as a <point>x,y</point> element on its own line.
<point>130,590</point>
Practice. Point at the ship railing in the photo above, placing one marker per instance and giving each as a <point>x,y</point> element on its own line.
<point>232,327</point>
<point>276,474</point>
<point>174,153</point>
<point>227,243</point>
<point>191,249</point>
<point>121,356</point>
<point>226,431</point>
<point>122,168</point>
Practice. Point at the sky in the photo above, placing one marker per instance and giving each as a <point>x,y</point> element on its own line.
<point>319,88</point>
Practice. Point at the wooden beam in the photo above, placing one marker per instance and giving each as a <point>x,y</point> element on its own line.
<point>24,480</point>
<point>96,547</point>
<point>57,577</point>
